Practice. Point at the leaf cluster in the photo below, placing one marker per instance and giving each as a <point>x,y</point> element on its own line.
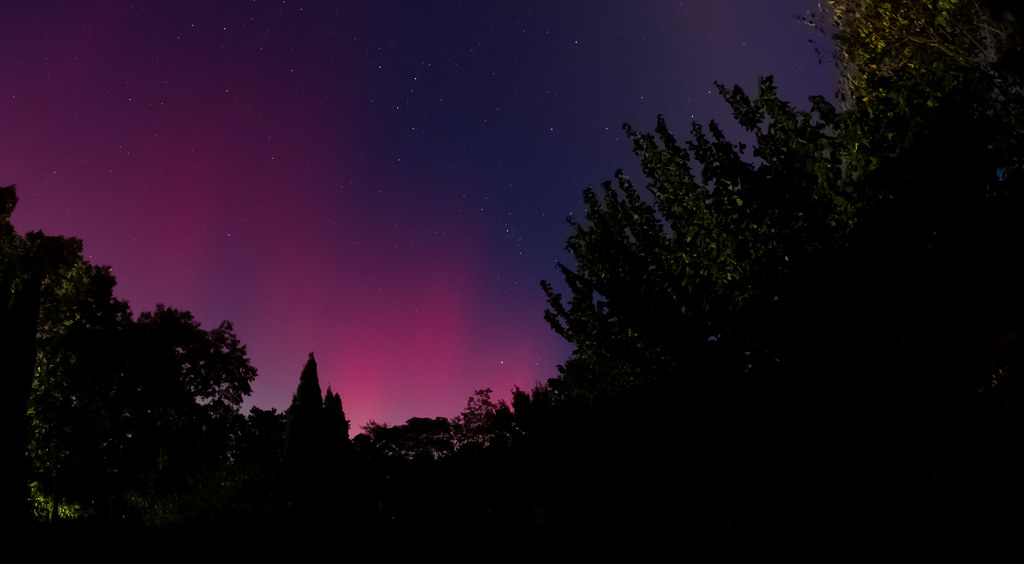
<point>121,411</point>
<point>661,277</point>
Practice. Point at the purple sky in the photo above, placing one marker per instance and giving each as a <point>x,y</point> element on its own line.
<point>382,183</point>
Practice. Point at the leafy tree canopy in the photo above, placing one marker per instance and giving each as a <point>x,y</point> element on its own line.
<point>747,266</point>
<point>899,59</point>
<point>117,412</point>
<point>659,278</point>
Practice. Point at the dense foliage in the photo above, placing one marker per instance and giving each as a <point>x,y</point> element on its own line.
<point>777,310</point>
<point>728,244</point>
<point>126,417</point>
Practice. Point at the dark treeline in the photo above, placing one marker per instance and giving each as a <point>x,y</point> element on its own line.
<point>808,343</point>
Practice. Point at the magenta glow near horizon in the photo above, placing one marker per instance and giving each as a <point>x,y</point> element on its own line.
<point>384,186</point>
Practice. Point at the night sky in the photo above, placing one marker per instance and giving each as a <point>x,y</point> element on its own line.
<point>381,183</point>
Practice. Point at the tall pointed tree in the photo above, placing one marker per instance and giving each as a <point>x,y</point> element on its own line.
<point>337,454</point>
<point>304,417</point>
<point>336,426</point>
<point>317,446</point>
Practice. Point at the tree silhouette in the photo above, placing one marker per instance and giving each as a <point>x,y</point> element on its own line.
<point>132,416</point>
<point>483,422</point>
<point>779,294</point>
<point>258,459</point>
<point>119,417</point>
<point>317,451</point>
<point>303,438</point>
<point>188,384</point>
<point>55,307</point>
<point>334,419</point>
<point>338,456</point>
<point>82,394</point>
<point>20,287</point>
<point>661,284</point>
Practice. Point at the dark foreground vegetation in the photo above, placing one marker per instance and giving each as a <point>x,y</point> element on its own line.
<point>809,344</point>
